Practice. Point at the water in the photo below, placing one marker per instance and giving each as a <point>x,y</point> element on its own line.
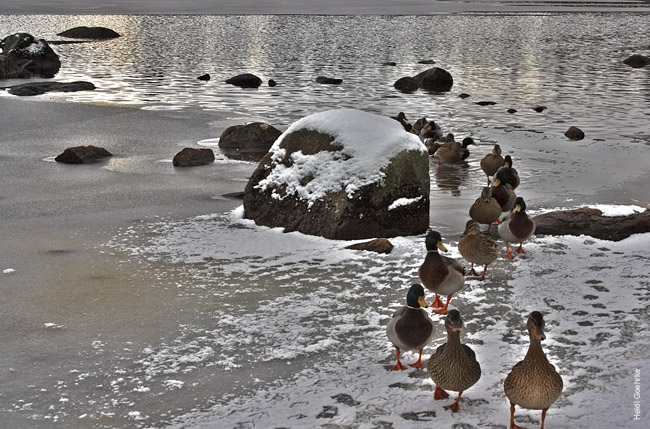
<point>198,290</point>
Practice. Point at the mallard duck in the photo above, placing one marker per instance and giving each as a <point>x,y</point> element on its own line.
<point>453,366</point>
<point>450,152</point>
<point>533,382</point>
<point>477,248</point>
<point>486,209</point>
<point>419,124</point>
<point>465,151</point>
<point>410,328</point>
<point>503,192</point>
<point>434,144</point>
<point>401,118</point>
<point>512,176</point>
<point>440,274</point>
<point>516,227</point>
<point>431,131</point>
<point>491,162</point>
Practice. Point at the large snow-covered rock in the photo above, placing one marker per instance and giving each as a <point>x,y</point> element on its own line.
<point>342,174</point>
<point>24,56</point>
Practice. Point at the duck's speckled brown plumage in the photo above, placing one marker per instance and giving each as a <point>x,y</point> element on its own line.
<point>512,175</point>
<point>533,382</point>
<point>450,152</point>
<point>486,209</point>
<point>476,247</point>
<point>454,366</point>
<point>491,162</point>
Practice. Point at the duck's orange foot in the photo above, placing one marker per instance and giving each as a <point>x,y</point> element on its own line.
<point>437,303</point>
<point>453,407</point>
<point>398,367</point>
<point>418,364</point>
<point>509,255</point>
<point>520,249</point>
<point>440,394</point>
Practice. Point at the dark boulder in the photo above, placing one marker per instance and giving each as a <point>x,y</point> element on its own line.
<point>245,80</point>
<point>205,77</point>
<point>511,111</point>
<point>251,141</point>
<point>328,80</point>
<point>637,61</point>
<point>406,84</point>
<point>98,33</point>
<point>191,157</point>
<point>464,95</point>
<point>591,222</point>
<point>38,88</point>
<point>389,63</point>
<point>426,62</point>
<point>82,154</point>
<point>271,83</point>
<point>574,133</point>
<point>435,79</point>
<point>539,109</point>
<point>486,103</point>
<point>378,245</point>
<point>23,56</point>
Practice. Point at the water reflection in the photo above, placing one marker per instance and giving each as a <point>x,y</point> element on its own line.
<point>450,177</point>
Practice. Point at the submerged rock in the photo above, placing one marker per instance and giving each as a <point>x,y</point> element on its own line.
<point>637,61</point>
<point>38,88</point>
<point>591,222</point>
<point>24,56</point>
<point>82,32</point>
<point>435,79</point>
<point>342,174</point>
<point>82,154</point>
<point>574,133</point>
<point>328,80</point>
<point>245,80</point>
<point>254,139</point>
<point>406,84</point>
<point>192,157</point>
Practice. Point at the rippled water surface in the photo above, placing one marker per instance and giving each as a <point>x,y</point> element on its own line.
<point>570,63</point>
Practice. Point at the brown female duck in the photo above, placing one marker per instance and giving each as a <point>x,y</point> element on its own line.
<point>453,366</point>
<point>410,328</point>
<point>440,274</point>
<point>477,248</point>
<point>512,175</point>
<point>516,227</point>
<point>486,209</point>
<point>503,192</point>
<point>491,162</point>
<point>533,382</point>
<point>450,152</point>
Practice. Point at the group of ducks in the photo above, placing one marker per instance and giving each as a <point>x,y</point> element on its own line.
<point>533,383</point>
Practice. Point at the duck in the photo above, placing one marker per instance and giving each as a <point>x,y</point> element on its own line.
<point>486,209</point>
<point>433,144</point>
<point>440,274</point>
<point>419,124</point>
<point>401,118</point>
<point>503,192</point>
<point>431,131</point>
<point>491,162</point>
<point>410,327</point>
<point>453,366</point>
<point>450,152</point>
<point>533,383</point>
<point>516,227</point>
<point>477,248</point>
<point>512,175</point>
<point>465,151</point>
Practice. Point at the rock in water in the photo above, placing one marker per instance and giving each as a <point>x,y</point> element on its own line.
<point>82,154</point>
<point>24,56</point>
<point>191,157</point>
<point>342,174</point>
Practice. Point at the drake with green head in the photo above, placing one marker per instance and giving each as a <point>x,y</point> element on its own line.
<point>453,366</point>
<point>410,328</point>
<point>440,274</point>
<point>516,227</point>
<point>533,382</point>
<point>477,248</point>
<point>503,192</point>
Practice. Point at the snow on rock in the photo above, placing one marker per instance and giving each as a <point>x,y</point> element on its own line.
<point>335,174</point>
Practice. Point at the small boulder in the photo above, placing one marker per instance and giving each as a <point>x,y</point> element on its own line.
<point>98,33</point>
<point>574,133</point>
<point>205,77</point>
<point>82,154</point>
<point>256,137</point>
<point>637,61</point>
<point>38,88</point>
<point>389,63</point>
<point>328,80</point>
<point>435,79</point>
<point>272,83</point>
<point>464,95</point>
<point>426,62</point>
<point>511,111</point>
<point>486,103</point>
<point>539,109</point>
<point>406,84</point>
<point>245,80</point>
<point>378,245</point>
<point>191,157</point>
<point>591,222</point>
